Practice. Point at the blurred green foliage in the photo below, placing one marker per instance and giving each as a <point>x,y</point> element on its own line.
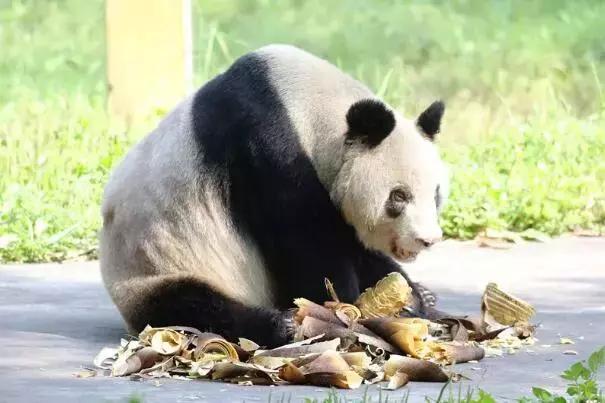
<point>473,49</point>
<point>523,80</point>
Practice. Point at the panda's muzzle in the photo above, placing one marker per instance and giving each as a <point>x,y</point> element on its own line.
<point>402,254</point>
<point>427,242</point>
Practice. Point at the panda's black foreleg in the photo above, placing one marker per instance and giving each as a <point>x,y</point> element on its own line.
<point>191,302</point>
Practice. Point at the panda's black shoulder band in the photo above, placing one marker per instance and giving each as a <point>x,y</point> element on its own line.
<point>370,121</point>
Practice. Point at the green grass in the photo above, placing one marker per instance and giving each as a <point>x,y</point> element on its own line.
<point>523,80</point>
<point>547,174</point>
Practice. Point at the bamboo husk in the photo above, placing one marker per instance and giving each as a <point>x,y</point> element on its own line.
<point>339,318</point>
<point>453,352</point>
<point>408,334</point>
<point>313,327</point>
<point>298,350</point>
<point>270,362</point>
<point>397,380</point>
<point>210,343</point>
<point>164,340</point>
<point>248,345</point>
<point>292,374</point>
<point>330,369</point>
<point>417,370</point>
<point>347,313</point>
<point>230,370</point>
<point>143,358</point>
<point>359,359</point>
<point>309,308</point>
<point>343,380</point>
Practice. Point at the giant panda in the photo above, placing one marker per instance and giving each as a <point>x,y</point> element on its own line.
<point>276,174</point>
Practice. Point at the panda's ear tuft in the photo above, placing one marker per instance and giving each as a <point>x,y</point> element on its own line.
<point>429,121</point>
<point>369,121</point>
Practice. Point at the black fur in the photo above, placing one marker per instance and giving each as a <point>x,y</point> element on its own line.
<point>270,186</point>
<point>370,121</point>
<point>249,146</point>
<point>429,121</point>
<point>190,302</point>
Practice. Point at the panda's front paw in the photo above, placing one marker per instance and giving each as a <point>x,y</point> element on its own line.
<point>290,325</point>
<point>422,301</point>
<point>428,297</point>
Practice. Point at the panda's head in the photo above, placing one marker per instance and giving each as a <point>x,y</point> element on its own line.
<point>392,182</point>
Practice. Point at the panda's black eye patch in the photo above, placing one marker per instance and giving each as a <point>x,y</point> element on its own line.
<point>398,198</point>
<point>401,195</point>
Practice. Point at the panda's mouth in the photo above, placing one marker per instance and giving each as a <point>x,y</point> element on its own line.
<point>405,256</point>
<point>401,254</point>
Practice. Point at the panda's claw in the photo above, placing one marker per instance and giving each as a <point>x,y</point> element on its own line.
<point>428,297</point>
<point>291,327</point>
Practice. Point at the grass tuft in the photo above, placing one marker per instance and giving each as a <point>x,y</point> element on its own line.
<point>524,130</point>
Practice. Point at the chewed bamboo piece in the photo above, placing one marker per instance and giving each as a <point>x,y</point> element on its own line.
<point>386,298</point>
<point>504,308</point>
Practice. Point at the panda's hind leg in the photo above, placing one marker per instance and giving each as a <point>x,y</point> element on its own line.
<point>188,301</point>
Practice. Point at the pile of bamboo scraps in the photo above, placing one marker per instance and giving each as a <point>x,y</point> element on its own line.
<point>336,344</point>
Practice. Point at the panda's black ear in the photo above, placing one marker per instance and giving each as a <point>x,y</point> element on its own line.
<point>429,121</point>
<point>369,122</point>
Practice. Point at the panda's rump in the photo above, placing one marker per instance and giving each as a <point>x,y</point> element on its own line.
<point>163,216</point>
<point>195,240</point>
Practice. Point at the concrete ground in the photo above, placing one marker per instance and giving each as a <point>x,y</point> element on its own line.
<point>55,317</point>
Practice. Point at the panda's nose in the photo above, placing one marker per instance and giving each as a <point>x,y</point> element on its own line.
<point>427,242</point>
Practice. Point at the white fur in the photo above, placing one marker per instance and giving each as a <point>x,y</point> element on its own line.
<point>317,96</point>
<point>162,221</point>
<point>359,179</point>
<point>367,177</point>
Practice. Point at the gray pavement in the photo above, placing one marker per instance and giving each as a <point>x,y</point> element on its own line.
<point>55,317</point>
